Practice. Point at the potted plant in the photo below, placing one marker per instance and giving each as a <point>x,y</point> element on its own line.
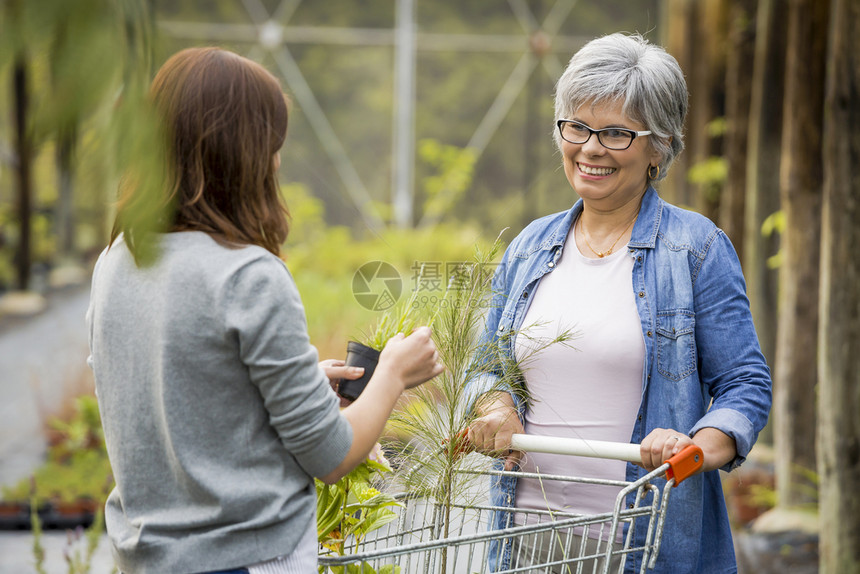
<point>72,484</point>
<point>402,318</point>
<point>353,507</point>
<point>14,515</point>
<point>78,559</point>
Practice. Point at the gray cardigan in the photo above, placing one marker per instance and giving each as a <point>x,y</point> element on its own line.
<point>216,413</point>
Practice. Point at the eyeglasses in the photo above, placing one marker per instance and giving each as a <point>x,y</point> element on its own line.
<point>611,138</point>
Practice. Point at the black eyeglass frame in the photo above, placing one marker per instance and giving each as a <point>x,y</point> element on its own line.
<point>633,134</point>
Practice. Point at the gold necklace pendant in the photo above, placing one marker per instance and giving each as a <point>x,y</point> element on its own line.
<point>602,254</point>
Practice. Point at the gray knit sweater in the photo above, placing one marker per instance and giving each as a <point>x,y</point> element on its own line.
<point>216,413</point>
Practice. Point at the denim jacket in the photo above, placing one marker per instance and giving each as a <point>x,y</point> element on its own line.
<point>703,365</point>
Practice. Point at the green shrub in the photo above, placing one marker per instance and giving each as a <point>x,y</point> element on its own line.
<point>77,465</point>
<point>323,260</point>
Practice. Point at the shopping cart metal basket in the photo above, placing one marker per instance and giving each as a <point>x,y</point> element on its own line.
<point>429,537</point>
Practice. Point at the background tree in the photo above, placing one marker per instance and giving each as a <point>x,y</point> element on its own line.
<point>23,167</point>
<point>706,80</point>
<point>66,141</point>
<point>839,397</point>
<point>679,38</point>
<point>801,178</point>
<point>763,167</point>
<point>739,71</point>
<point>74,70</point>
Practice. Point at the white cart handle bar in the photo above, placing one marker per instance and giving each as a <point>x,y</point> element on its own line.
<point>682,465</point>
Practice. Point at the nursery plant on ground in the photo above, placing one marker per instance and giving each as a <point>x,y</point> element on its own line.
<point>350,509</point>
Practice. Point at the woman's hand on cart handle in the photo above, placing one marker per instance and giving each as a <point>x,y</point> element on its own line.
<point>661,445</point>
<point>680,465</point>
<point>491,432</point>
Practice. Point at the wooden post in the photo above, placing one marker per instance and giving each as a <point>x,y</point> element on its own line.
<point>739,72</point>
<point>24,153</point>
<point>706,82</point>
<point>678,39</point>
<point>839,369</point>
<point>763,161</point>
<point>801,183</point>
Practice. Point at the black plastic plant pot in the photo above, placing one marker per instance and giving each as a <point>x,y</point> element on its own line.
<point>358,355</point>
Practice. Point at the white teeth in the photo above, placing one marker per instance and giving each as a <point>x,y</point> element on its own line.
<point>595,170</point>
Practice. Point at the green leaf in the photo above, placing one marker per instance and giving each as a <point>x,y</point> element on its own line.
<point>773,223</point>
<point>712,171</point>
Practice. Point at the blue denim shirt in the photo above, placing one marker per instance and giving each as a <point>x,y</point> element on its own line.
<point>703,365</point>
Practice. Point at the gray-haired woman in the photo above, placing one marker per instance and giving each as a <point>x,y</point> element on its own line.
<point>667,354</point>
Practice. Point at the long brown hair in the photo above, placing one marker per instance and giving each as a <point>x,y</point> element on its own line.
<point>223,119</point>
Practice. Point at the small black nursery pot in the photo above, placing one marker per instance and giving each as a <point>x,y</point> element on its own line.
<point>358,355</point>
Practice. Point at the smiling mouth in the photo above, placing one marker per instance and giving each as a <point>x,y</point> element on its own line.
<point>589,170</point>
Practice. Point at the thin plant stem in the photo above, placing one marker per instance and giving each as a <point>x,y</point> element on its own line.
<point>36,526</point>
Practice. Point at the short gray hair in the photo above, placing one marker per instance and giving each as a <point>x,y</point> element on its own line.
<point>643,76</point>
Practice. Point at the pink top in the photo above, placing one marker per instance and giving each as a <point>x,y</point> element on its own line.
<point>590,391</point>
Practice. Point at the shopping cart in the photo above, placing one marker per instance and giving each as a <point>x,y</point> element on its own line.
<point>432,537</point>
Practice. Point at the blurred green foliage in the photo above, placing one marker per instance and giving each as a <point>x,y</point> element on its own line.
<point>350,509</point>
<point>455,168</point>
<point>323,260</point>
<point>77,465</point>
<point>774,224</point>
<point>711,174</point>
<point>87,66</point>
<point>91,61</point>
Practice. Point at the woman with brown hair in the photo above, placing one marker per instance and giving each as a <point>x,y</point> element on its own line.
<point>217,415</point>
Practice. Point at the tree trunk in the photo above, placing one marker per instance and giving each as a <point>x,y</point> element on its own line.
<point>65,208</point>
<point>24,153</point>
<point>739,71</point>
<point>763,163</point>
<point>678,17</point>
<point>801,178</point>
<point>839,400</point>
<point>707,79</point>
<point>64,155</point>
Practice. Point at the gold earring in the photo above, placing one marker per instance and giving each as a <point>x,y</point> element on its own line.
<point>652,175</point>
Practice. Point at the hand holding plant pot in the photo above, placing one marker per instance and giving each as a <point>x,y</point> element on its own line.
<point>397,351</point>
<point>337,371</point>
<point>405,363</point>
<point>413,360</point>
<point>403,319</point>
<point>359,356</point>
